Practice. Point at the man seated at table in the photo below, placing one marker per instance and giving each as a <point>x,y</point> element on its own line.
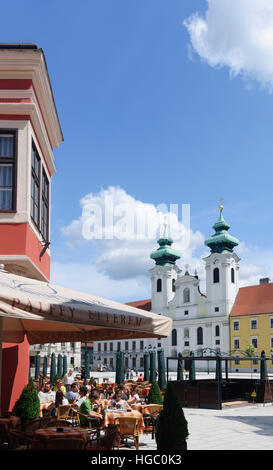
<point>47,397</point>
<point>72,394</point>
<point>140,378</point>
<point>86,408</point>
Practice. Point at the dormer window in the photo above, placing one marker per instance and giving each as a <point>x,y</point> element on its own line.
<point>216,275</point>
<point>158,285</point>
<point>186,295</point>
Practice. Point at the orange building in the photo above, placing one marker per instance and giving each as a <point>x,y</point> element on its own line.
<point>29,131</point>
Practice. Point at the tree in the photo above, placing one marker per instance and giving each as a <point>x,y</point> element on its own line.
<point>27,406</point>
<point>155,394</point>
<point>172,426</point>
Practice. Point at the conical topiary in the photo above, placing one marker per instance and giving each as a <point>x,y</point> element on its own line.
<point>27,406</point>
<point>172,426</point>
<point>155,394</point>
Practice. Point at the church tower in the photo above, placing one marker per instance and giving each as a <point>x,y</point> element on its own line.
<point>222,266</point>
<point>164,273</point>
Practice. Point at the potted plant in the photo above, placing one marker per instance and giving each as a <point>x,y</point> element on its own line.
<point>172,426</point>
<point>27,406</point>
<point>154,395</point>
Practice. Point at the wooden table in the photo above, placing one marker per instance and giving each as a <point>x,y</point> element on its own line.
<point>68,433</point>
<point>111,415</point>
<point>12,422</point>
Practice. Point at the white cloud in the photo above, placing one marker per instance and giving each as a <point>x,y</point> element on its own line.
<point>237,34</point>
<point>128,258</point>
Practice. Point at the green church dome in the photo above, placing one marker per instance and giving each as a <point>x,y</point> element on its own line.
<point>221,241</point>
<point>165,254</point>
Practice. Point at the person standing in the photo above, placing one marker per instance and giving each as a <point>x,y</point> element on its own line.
<point>69,379</point>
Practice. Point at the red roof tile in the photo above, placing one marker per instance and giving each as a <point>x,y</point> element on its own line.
<point>143,304</point>
<point>253,300</point>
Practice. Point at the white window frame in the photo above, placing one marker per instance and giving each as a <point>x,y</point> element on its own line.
<point>252,320</point>
<point>254,338</point>
<point>236,339</point>
<point>236,321</point>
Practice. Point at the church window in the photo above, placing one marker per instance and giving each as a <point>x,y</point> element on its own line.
<point>173,285</point>
<point>186,295</point>
<point>216,275</point>
<point>159,285</point>
<point>217,330</point>
<point>186,312</point>
<point>232,275</point>
<point>186,333</point>
<point>174,338</point>
<point>199,335</point>
<point>216,309</point>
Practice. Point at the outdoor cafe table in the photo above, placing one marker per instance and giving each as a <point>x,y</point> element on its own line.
<point>12,422</point>
<point>111,415</point>
<point>44,434</point>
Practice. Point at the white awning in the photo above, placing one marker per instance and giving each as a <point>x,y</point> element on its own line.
<point>46,313</point>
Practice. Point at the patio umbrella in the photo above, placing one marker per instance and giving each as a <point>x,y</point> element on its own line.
<point>146,366</point>
<point>180,367</point>
<point>64,365</point>
<point>37,366</point>
<point>46,313</point>
<point>161,369</point>
<point>218,370</point>
<point>263,368</point>
<point>45,366</point>
<point>60,366</point>
<point>152,377</point>
<point>120,364</point>
<point>192,368</point>
<point>53,368</point>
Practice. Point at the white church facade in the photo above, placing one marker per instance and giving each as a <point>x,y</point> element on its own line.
<point>200,321</point>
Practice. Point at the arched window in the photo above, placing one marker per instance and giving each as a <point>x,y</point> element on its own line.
<point>173,285</point>
<point>217,330</point>
<point>159,285</point>
<point>232,275</point>
<point>174,338</point>
<point>199,335</point>
<point>216,275</point>
<point>186,295</point>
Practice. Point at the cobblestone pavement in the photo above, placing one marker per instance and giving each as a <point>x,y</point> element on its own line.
<point>245,428</point>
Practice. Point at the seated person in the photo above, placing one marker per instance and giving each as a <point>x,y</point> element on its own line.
<point>119,403</point>
<point>140,378</point>
<point>73,394</point>
<point>82,396</point>
<point>121,388</point>
<point>47,397</point>
<point>60,386</point>
<point>86,408</point>
<point>134,398</point>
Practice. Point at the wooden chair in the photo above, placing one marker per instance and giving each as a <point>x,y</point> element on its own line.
<point>63,412</point>
<point>105,441</point>
<point>151,419</point>
<point>90,425</point>
<point>128,428</point>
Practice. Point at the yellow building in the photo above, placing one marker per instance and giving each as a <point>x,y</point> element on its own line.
<point>251,323</point>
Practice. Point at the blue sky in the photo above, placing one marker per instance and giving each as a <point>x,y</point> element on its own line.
<point>152,108</point>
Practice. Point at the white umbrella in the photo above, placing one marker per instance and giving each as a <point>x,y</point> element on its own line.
<point>46,313</point>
